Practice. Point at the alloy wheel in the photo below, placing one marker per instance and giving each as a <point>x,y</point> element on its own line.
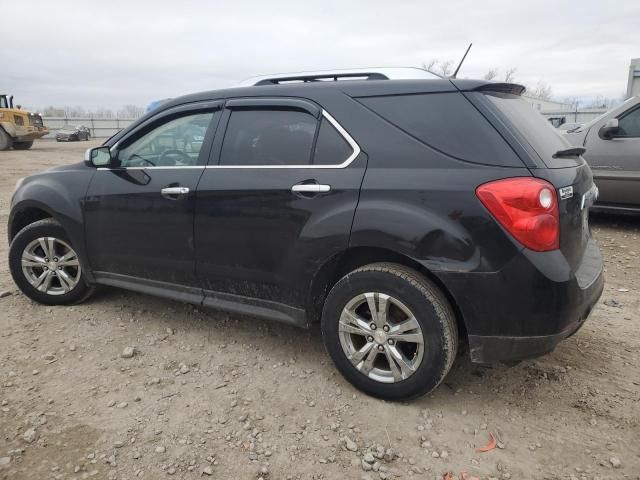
<point>381,337</point>
<point>51,266</point>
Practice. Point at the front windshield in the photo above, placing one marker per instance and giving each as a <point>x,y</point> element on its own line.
<point>3,102</point>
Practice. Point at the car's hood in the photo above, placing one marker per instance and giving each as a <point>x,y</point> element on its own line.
<point>66,168</point>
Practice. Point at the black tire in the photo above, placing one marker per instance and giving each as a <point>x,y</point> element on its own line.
<point>43,228</point>
<point>22,145</point>
<point>5,140</point>
<point>428,305</point>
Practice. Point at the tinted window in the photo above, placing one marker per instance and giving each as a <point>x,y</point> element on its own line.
<point>447,122</point>
<point>532,126</point>
<point>176,142</point>
<point>331,147</point>
<point>630,124</point>
<point>268,137</point>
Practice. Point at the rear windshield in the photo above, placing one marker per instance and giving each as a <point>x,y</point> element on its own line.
<point>531,125</point>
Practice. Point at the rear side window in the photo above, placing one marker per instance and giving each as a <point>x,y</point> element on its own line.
<point>331,147</point>
<point>268,137</point>
<point>447,122</point>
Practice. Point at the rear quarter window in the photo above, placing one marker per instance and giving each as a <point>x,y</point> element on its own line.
<point>447,122</point>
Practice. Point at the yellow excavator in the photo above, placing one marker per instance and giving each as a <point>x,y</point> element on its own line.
<point>18,128</point>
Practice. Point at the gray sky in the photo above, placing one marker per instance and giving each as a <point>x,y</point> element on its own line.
<point>111,53</point>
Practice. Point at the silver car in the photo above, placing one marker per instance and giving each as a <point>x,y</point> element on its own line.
<point>613,152</point>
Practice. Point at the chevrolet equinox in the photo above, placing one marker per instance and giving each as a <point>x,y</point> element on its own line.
<point>405,215</point>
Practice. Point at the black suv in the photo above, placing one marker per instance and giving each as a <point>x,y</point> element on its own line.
<point>406,216</point>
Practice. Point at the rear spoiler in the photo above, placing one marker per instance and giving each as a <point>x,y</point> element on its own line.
<point>512,88</point>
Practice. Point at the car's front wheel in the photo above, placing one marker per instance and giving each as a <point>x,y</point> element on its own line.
<point>45,266</point>
<point>390,331</point>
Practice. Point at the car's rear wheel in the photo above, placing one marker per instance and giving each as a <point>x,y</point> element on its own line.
<point>22,145</point>
<point>45,266</point>
<point>390,331</point>
<point>5,140</point>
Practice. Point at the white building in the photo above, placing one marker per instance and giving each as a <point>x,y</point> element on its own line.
<point>633,84</point>
<point>547,105</point>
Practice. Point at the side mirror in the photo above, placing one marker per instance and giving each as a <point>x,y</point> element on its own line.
<point>98,156</point>
<point>609,129</point>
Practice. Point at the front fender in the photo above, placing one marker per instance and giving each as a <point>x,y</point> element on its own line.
<point>61,195</point>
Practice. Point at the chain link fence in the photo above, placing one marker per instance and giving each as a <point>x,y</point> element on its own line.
<point>99,127</point>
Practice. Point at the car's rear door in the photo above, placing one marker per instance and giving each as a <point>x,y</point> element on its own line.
<point>616,161</point>
<point>139,212</point>
<point>276,201</point>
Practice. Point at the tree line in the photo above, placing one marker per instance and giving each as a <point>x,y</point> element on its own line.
<point>126,111</point>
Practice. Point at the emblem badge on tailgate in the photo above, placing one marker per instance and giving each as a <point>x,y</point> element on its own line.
<point>566,192</point>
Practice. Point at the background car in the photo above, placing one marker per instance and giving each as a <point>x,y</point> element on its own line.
<point>73,133</point>
<point>613,152</point>
<point>569,127</point>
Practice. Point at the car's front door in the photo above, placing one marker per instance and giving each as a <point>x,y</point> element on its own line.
<point>276,202</point>
<point>616,161</point>
<point>139,211</point>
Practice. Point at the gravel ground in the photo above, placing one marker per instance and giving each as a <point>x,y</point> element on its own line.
<point>130,386</point>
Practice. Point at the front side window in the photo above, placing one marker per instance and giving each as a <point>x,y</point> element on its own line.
<point>174,143</point>
<point>268,137</point>
<point>629,124</point>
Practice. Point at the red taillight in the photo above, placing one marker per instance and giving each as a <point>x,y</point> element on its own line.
<point>527,208</point>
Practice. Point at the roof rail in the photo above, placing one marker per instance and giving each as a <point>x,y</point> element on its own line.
<point>377,73</point>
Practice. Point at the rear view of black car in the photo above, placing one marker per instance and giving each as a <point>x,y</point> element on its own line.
<point>405,215</point>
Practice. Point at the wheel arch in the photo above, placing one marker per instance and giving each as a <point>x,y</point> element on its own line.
<point>25,214</point>
<point>355,257</point>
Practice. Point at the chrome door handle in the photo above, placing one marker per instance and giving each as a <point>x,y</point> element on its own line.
<point>310,188</point>
<point>173,192</point>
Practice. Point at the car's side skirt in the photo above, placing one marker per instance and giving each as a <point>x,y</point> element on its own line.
<point>254,307</point>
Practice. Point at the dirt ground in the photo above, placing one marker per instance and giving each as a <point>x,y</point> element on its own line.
<point>209,395</point>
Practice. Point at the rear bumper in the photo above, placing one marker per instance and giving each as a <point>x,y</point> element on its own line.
<point>528,307</point>
<point>492,349</point>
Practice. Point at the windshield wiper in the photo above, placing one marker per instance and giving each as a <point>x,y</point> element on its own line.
<point>570,152</point>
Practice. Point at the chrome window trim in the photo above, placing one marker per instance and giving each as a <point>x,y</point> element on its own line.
<point>155,168</point>
<point>348,138</point>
